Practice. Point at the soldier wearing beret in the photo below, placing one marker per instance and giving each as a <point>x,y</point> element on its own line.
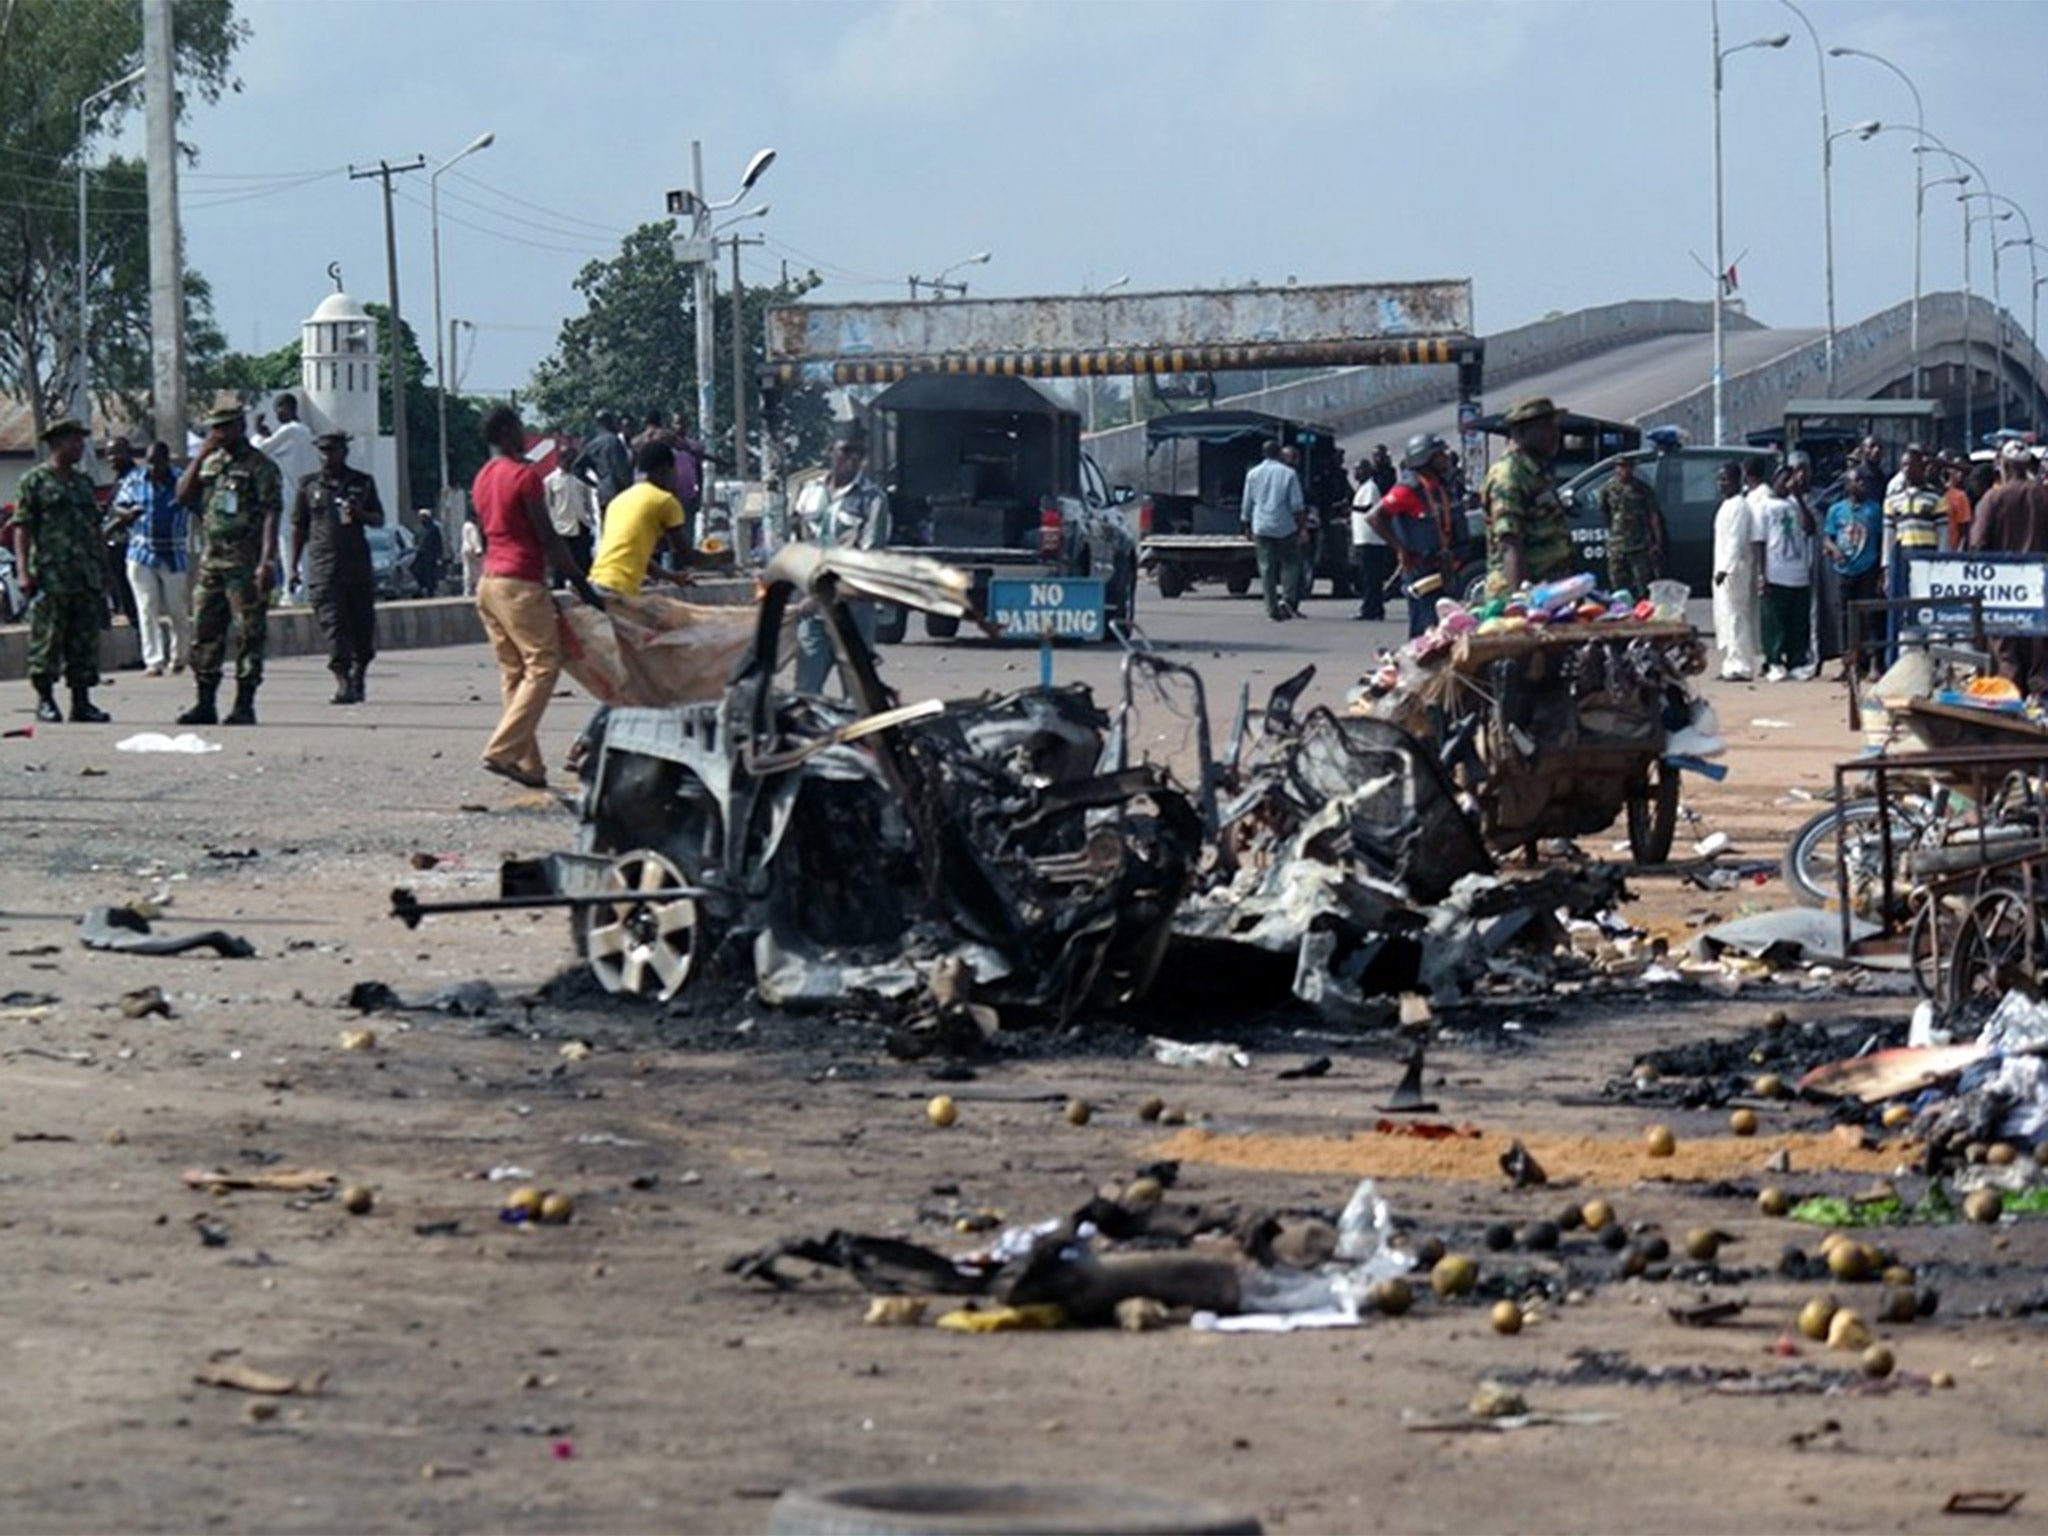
<point>57,550</point>
<point>329,514</point>
<point>239,495</point>
<point>1527,537</point>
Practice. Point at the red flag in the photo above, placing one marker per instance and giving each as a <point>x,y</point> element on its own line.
<point>1728,283</point>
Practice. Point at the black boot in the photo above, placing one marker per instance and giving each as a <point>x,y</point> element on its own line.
<point>84,711</point>
<point>46,704</point>
<point>205,711</point>
<point>244,712</point>
<point>344,691</point>
<point>358,682</point>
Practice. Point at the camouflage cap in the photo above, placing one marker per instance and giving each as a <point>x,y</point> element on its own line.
<point>332,440</point>
<point>228,416</point>
<point>63,426</point>
<point>1535,408</point>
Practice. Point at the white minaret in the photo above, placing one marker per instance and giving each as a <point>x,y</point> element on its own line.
<point>338,390</point>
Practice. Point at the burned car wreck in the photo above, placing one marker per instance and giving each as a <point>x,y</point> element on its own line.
<point>1004,849</point>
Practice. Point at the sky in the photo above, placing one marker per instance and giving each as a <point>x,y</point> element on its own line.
<point>1557,152</point>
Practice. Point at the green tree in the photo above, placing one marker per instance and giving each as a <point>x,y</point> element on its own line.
<point>633,349</point>
<point>53,55</point>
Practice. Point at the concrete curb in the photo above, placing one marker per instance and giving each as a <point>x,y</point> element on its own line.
<point>421,624</point>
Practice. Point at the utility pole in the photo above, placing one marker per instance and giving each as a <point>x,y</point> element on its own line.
<point>701,230</point>
<point>739,355</point>
<point>166,259</point>
<point>384,171</point>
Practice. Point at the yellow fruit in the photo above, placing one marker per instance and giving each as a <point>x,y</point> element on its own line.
<point>2001,1154</point>
<point>1877,1360</point>
<point>1895,1116</point>
<point>1596,1214</point>
<point>1659,1140</point>
<point>1815,1316</point>
<point>359,1039</point>
<point>1847,1330</point>
<point>1454,1275</point>
<point>1984,1206</point>
<point>1773,1202</point>
<point>1743,1122</point>
<point>525,1201</point>
<point>1850,1261</point>
<point>357,1199</point>
<point>1393,1297</point>
<point>1151,1108</point>
<point>1702,1244</point>
<point>1143,1194</point>
<point>1078,1112</point>
<point>1506,1317</point>
<point>555,1209</point>
<point>1901,1304</point>
<point>1770,1086</point>
<point>942,1111</point>
<point>1942,1381</point>
<point>1896,1274</point>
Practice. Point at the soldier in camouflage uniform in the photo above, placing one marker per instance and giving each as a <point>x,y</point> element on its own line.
<point>1527,539</point>
<point>1635,531</point>
<point>57,550</point>
<point>240,497</point>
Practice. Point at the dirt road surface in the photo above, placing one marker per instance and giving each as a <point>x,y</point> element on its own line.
<point>461,1374</point>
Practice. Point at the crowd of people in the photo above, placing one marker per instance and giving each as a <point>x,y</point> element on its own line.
<point>1791,562</point>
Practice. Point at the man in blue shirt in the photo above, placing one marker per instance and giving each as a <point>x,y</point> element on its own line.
<point>1273,511</point>
<point>159,529</point>
<point>1852,538</point>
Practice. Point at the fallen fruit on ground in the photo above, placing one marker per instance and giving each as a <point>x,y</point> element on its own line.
<point>357,1199</point>
<point>1847,1330</point>
<point>942,1111</point>
<point>1984,1206</point>
<point>1877,1360</point>
<point>1851,1261</point>
<point>1815,1316</point>
<point>1506,1317</point>
<point>1151,1108</point>
<point>555,1209</point>
<point>1773,1201</point>
<point>1743,1122</point>
<point>1702,1244</point>
<point>1078,1112</point>
<point>524,1201</point>
<point>1770,1086</point>
<point>1453,1275</point>
<point>1895,1116</point>
<point>1660,1142</point>
<point>1596,1214</point>
<point>1393,1297</point>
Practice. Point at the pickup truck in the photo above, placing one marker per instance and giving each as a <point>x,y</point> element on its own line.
<point>987,474</point>
<point>1191,538</point>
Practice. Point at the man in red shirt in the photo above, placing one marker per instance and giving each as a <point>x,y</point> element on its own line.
<point>1417,519</point>
<point>512,595</point>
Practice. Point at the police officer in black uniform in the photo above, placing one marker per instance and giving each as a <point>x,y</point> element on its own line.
<point>329,516</point>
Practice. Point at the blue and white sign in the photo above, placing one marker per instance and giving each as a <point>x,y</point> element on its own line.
<point>2014,589</point>
<point>1060,607</point>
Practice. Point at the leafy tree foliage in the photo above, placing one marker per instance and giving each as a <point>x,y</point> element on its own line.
<point>53,55</point>
<point>633,350</point>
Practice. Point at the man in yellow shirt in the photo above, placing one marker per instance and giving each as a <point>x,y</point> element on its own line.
<point>641,518</point>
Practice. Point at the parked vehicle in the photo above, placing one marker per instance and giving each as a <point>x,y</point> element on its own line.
<point>391,552</point>
<point>987,474</point>
<point>1683,479</point>
<point>1192,538</point>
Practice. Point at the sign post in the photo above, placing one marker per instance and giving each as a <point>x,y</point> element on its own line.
<point>1049,608</point>
<point>2014,589</point>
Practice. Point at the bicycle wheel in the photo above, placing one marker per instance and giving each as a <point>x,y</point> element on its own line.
<point>1812,861</point>
<point>1995,949</point>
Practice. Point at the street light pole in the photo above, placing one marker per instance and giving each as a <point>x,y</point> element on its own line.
<point>1721,56</point>
<point>1864,130</point>
<point>1919,187</point>
<point>1989,216</point>
<point>1827,183</point>
<point>703,253</point>
<point>2034,314</point>
<point>81,391</point>
<point>480,142</point>
<point>1969,293</point>
<point>939,285</point>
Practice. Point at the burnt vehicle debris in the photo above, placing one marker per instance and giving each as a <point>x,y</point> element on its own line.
<point>1012,851</point>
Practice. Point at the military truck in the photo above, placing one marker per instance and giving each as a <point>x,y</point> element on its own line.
<point>988,474</point>
<point>1193,524</point>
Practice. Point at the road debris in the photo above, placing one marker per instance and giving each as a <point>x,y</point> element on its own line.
<point>123,930</point>
<point>225,1371</point>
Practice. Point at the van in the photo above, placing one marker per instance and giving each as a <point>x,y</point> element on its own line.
<point>1683,479</point>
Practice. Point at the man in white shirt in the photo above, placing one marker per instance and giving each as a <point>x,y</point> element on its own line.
<point>572,504</point>
<point>844,510</point>
<point>291,449</point>
<point>1735,578</point>
<point>1784,529</point>
<point>1369,553</point>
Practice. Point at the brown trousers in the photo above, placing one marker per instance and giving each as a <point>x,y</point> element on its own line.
<point>520,621</point>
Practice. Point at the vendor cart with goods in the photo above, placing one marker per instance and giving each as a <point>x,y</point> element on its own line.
<point>1557,713</point>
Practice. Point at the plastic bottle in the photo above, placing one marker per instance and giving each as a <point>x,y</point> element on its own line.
<point>1557,594</point>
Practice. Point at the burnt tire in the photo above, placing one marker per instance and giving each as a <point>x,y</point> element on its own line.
<point>1237,586</point>
<point>941,626</point>
<point>912,1509</point>
<point>1172,581</point>
<point>892,623</point>
<point>1653,814</point>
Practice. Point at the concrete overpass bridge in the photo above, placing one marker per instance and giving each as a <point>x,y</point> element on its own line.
<point>1651,363</point>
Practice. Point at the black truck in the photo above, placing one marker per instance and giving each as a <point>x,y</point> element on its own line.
<point>988,474</point>
<point>1197,537</point>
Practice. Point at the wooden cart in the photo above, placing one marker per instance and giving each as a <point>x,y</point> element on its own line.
<point>1559,731</point>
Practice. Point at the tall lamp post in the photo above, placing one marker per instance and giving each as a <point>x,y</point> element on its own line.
<point>1919,186</point>
<point>698,249</point>
<point>1827,182</point>
<point>739,327</point>
<point>1721,56</point>
<point>1862,131</point>
<point>1997,246</point>
<point>1991,215</point>
<point>81,390</point>
<point>480,142</point>
<point>2034,247</point>
<point>1933,144</point>
<point>939,285</point>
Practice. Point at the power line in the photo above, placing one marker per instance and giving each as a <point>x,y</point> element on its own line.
<point>498,234</point>
<point>512,197</point>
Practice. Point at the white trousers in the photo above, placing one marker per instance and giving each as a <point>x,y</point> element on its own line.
<point>161,602</point>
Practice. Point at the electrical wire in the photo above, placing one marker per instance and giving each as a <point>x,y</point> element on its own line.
<point>564,231</point>
<point>584,251</point>
<point>556,213</point>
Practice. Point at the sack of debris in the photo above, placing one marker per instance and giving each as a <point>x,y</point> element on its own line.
<point>651,651</point>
